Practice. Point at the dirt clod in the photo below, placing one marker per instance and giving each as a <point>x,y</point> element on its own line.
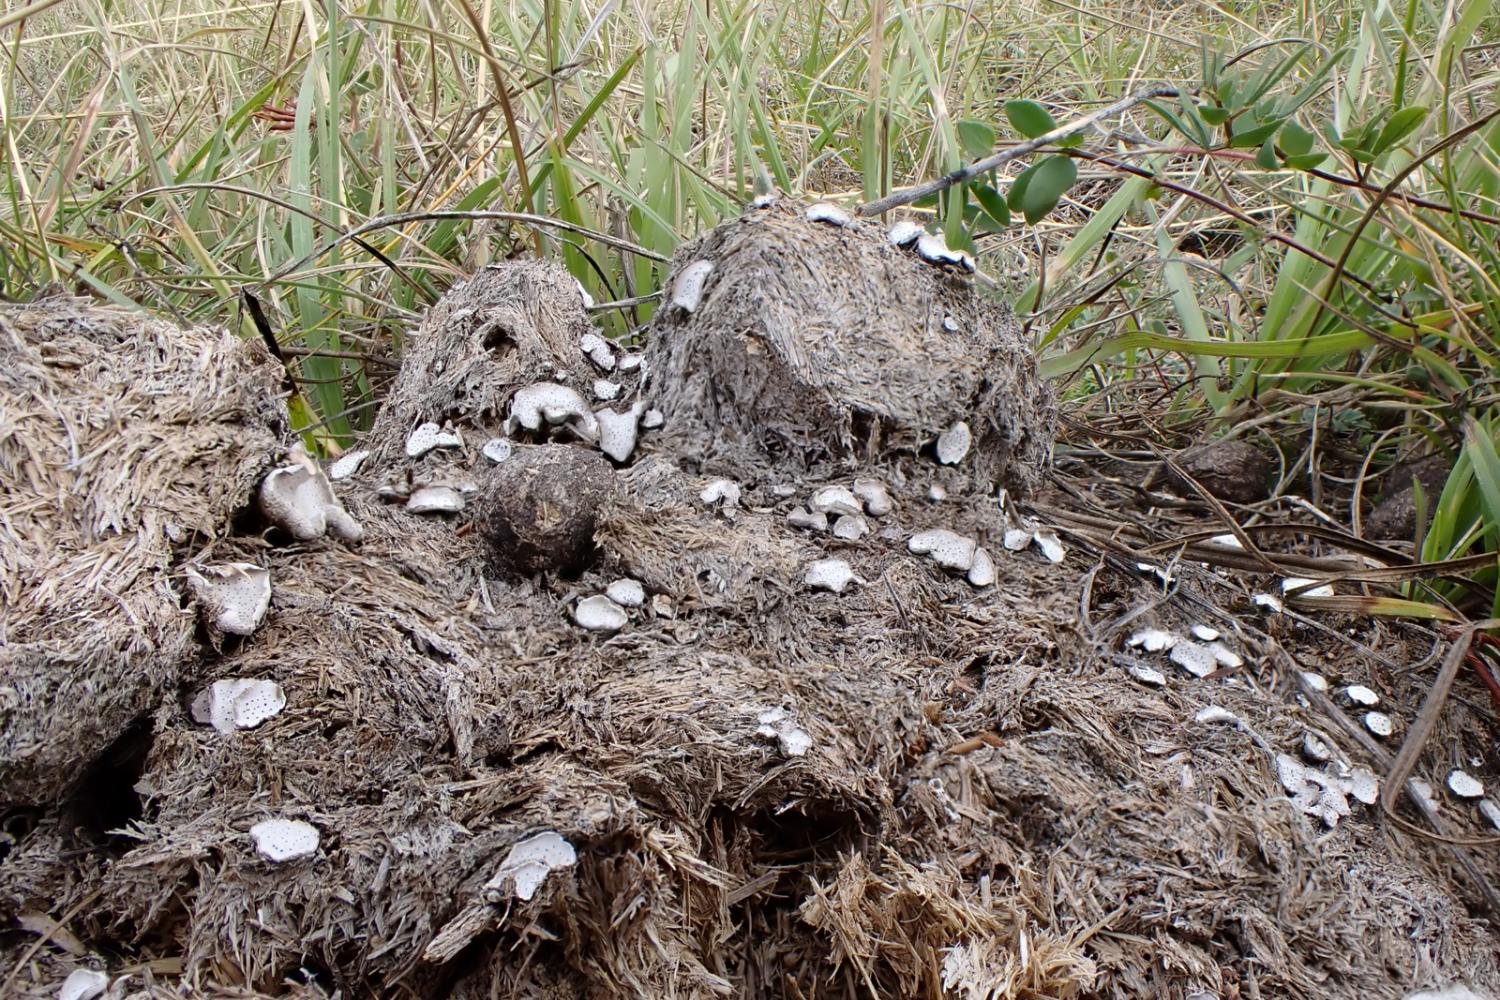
<point>1233,471</point>
<point>539,508</point>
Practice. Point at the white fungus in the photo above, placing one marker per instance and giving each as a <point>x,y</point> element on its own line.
<point>429,436</point>
<point>1152,640</point>
<point>661,606</point>
<point>1204,632</point>
<point>1196,658</point>
<point>1225,656</point>
<point>298,499</point>
<point>619,432</point>
<point>583,293</point>
<point>605,389</point>
<point>1312,791</point>
<point>776,725</point>
<point>1364,786</point>
<point>826,212</point>
<point>874,495</point>
<point>1379,723</point>
<point>721,493</point>
<point>934,250</point>
<point>552,404</point>
<point>1465,785</point>
<point>630,362</point>
<point>954,443</point>
<point>600,614</point>
<point>435,500</point>
<point>816,520</point>
<point>652,420</point>
<point>235,596</point>
<point>762,201</point>
<point>1315,749</point>
<point>529,863</point>
<point>627,593</point>
<point>948,549</point>
<point>348,464</point>
<point>1016,539</point>
<point>904,233</point>
<point>850,528</point>
<point>1490,811</point>
<point>829,574</point>
<point>1358,694</point>
<point>836,501</point>
<point>1293,582</point>
<point>687,289</point>
<point>1423,791</point>
<point>1149,676</point>
<point>1050,545</point>
<point>238,703</point>
<point>1268,602</point>
<point>1216,713</point>
<point>936,493</point>
<point>82,984</point>
<point>1315,681</point>
<point>285,839</point>
<point>982,572</point>
<point>598,350</point>
<point>1227,541</point>
<point>497,450</point>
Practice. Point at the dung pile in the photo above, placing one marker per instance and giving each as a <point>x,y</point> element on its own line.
<point>756,740</point>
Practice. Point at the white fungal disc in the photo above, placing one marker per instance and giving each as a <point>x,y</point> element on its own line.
<point>83,984</point>
<point>687,289</point>
<point>874,495</point>
<point>1016,539</point>
<point>549,403</point>
<point>982,571</point>
<point>948,549</point>
<point>1193,657</point>
<point>429,436</point>
<point>626,593</point>
<point>1293,582</point>
<point>435,500</point>
<point>530,861</point>
<point>1379,723</point>
<point>836,501</point>
<point>721,493</point>
<point>281,840</point>
<point>497,450</point>
<point>1205,633</point>
<point>238,703</point>
<point>829,574</point>
<point>1152,640</point>
<point>904,233</point>
<point>850,528</point>
<point>236,596</point>
<point>600,614</point>
<point>347,464</point>
<point>1465,785</point>
<point>776,725</point>
<point>954,443</point>
<point>1050,545</point>
<point>831,214</point>
<point>811,520</point>
<point>619,432</point>
<point>1149,676</point>
<point>1360,695</point>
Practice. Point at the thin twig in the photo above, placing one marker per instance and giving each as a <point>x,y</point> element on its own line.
<point>908,195</point>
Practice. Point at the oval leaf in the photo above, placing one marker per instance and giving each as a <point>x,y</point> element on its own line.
<point>1029,118</point>
<point>1053,176</point>
<point>977,138</point>
<point>1295,140</point>
<point>994,206</point>
<point>1266,158</point>
<point>1402,124</point>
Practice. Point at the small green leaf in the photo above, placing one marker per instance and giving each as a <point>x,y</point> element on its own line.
<point>1266,157</point>
<point>1252,137</point>
<point>1053,176</point>
<point>1295,140</point>
<point>994,206</point>
<point>1018,187</point>
<point>1306,162</point>
<point>1402,124</point>
<point>1029,118</point>
<point>977,138</point>
<point>1213,114</point>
